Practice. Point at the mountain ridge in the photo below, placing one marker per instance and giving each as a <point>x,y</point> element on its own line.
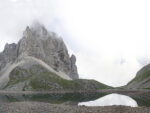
<point>37,42</point>
<point>40,61</point>
<point>38,46</point>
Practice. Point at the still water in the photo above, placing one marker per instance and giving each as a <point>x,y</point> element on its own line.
<point>112,99</point>
<point>86,99</point>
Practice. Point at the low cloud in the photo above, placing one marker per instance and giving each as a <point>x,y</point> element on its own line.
<point>108,37</point>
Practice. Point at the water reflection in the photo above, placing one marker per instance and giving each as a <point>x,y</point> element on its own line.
<point>112,99</point>
<point>54,98</point>
<point>88,99</point>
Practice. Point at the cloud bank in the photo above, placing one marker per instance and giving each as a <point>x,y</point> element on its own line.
<point>110,38</point>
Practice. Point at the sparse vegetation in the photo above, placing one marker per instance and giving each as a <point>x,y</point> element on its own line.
<point>142,74</point>
<point>38,78</point>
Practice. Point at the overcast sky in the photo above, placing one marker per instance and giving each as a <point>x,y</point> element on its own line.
<point>111,38</point>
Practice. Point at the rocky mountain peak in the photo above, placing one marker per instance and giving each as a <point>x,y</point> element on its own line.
<point>37,31</point>
<point>44,45</point>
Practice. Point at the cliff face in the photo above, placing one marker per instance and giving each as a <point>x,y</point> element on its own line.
<point>46,46</point>
<point>8,55</point>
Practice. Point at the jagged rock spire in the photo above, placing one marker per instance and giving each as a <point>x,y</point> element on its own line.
<point>46,46</point>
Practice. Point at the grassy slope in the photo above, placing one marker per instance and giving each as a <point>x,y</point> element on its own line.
<point>142,74</point>
<point>40,79</point>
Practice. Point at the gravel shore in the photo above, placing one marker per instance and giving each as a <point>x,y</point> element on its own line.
<point>40,107</point>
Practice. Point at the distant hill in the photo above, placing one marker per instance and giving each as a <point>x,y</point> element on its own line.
<point>142,79</point>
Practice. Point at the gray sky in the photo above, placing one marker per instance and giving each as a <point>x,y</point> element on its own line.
<point>109,37</point>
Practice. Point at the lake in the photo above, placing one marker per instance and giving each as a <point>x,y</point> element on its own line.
<point>83,99</point>
<point>111,99</point>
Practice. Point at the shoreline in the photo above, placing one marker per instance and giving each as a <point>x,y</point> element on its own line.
<point>30,106</point>
<point>40,107</point>
<point>78,91</point>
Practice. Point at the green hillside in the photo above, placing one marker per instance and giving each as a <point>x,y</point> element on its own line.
<point>37,78</point>
<point>142,79</point>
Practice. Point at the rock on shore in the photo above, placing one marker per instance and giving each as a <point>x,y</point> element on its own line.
<point>39,107</point>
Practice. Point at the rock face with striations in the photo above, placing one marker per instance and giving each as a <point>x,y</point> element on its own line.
<point>48,47</point>
<point>38,46</point>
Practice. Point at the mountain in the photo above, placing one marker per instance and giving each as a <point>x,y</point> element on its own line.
<point>142,79</point>
<point>40,61</point>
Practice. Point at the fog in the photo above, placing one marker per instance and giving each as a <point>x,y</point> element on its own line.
<point>110,38</point>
